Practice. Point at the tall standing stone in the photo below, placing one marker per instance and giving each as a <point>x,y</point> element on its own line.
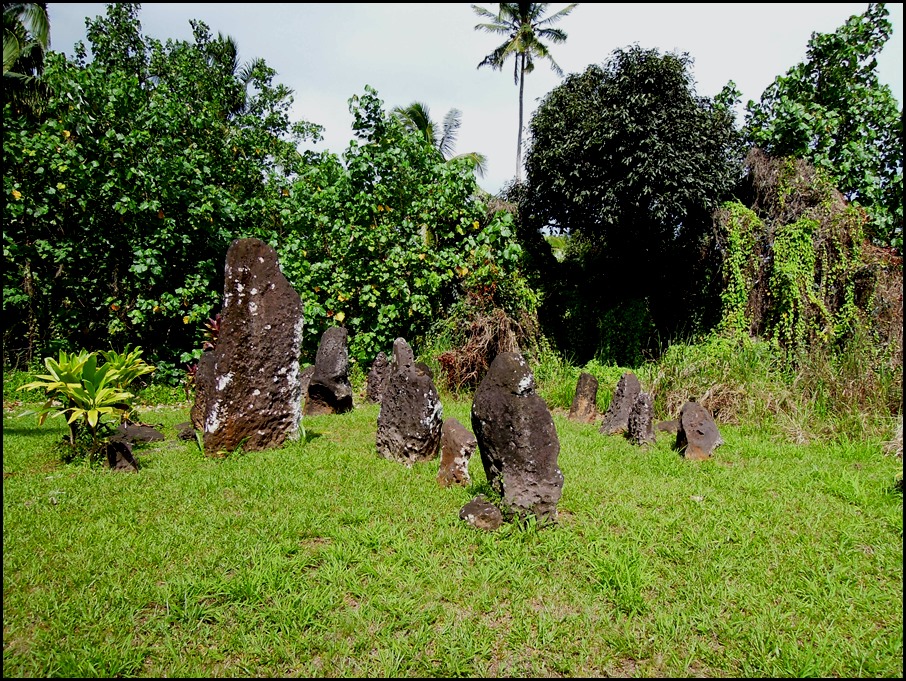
<point>517,439</point>
<point>250,389</point>
<point>616,419</point>
<point>329,390</point>
<point>584,408</point>
<point>410,421</point>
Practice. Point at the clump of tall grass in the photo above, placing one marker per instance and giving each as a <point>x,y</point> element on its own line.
<point>849,393</point>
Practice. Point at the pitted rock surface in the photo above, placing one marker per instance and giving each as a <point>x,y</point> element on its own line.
<point>517,439</point>
<point>697,436</point>
<point>304,382</point>
<point>120,457</point>
<point>410,421</point>
<point>616,419</point>
<point>457,445</point>
<point>584,408</point>
<point>329,390</point>
<point>640,430</point>
<point>482,514</point>
<point>248,389</point>
<point>377,378</point>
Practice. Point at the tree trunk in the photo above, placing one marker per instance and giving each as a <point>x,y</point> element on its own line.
<point>519,138</point>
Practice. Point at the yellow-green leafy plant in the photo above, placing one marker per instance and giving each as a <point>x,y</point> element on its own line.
<point>85,393</point>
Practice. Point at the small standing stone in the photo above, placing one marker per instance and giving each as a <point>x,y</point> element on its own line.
<point>616,420</point>
<point>640,431</point>
<point>517,439</point>
<point>457,445</point>
<point>377,378</point>
<point>697,436</point>
<point>411,417</point>
<point>329,389</point>
<point>584,408</point>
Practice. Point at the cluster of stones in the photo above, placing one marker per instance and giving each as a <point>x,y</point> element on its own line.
<point>630,414</point>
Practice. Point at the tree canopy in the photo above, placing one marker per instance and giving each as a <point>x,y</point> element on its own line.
<point>526,28</point>
<point>832,111</point>
<point>631,162</point>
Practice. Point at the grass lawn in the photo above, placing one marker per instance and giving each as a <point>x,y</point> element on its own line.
<point>322,559</point>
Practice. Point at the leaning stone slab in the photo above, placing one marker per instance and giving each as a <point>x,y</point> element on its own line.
<point>517,440</point>
<point>697,436</point>
<point>248,385</point>
<point>616,419</point>
<point>457,445</point>
<point>411,416</point>
<point>329,389</point>
<point>640,431</point>
<point>584,408</point>
<point>482,514</point>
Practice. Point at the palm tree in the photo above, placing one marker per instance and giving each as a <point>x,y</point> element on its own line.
<point>223,53</point>
<point>417,118</point>
<point>524,25</point>
<point>26,37</point>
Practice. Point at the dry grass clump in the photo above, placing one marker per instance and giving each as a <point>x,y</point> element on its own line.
<point>484,336</point>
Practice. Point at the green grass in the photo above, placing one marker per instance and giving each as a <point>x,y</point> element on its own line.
<point>322,559</point>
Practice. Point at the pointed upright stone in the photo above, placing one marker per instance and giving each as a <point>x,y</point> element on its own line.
<point>249,389</point>
<point>640,430</point>
<point>584,408</point>
<point>616,419</point>
<point>377,378</point>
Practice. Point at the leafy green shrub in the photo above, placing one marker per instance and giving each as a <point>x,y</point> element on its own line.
<point>83,391</point>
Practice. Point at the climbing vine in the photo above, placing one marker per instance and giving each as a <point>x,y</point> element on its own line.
<point>792,264</point>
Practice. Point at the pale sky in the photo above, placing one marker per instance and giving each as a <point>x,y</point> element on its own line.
<point>328,52</point>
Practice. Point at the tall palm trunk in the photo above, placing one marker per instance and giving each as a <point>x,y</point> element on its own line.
<point>519,139</point>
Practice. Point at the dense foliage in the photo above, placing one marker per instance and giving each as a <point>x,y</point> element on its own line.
<point>386,243</point>
<point>832,111</point>
<point>628,160</point>
<point>124,197</point>
<point>151,158</point>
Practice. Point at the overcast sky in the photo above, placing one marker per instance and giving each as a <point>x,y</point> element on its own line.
<point>328,52</point>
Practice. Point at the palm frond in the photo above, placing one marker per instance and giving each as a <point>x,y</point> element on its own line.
<point>447,141</point>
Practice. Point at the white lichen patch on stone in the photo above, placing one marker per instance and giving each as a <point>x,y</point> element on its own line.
<point>256,392</point>
<point>253,292</point>
<point>253,307</point>
<point>212,423</point>
<point>524,385</point>
<point>224,381</point>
